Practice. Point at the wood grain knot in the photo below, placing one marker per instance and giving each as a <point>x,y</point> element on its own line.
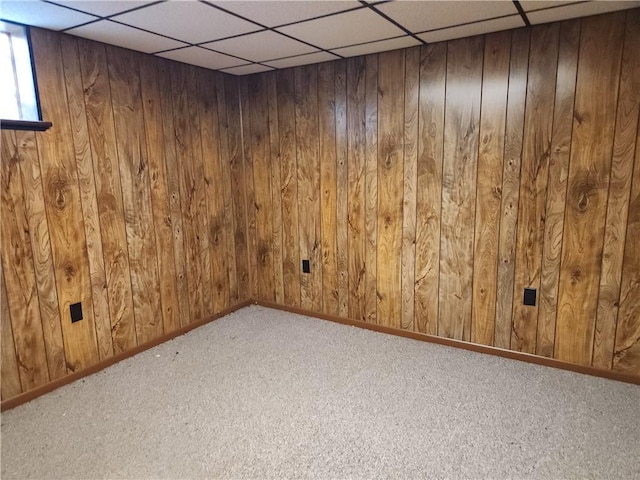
<point>576,275</point>
<point>58,187</point>
<point>69,271</point>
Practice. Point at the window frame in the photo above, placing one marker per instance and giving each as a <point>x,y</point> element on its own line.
<point>30,125</point>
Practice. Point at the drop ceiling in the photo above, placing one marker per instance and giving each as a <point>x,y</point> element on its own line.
<point>242,37</point>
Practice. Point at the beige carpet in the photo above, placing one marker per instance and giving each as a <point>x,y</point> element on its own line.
<point>266,394</point>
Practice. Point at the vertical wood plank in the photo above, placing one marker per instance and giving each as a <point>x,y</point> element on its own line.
<point>289,182</point>
<point>227,196</point>
<point>433,70</point>
<point>371,189</point>
<point>356,184</point>
<point>461,130</point>
<point>250,196</point>
<point>41,250</point>
<point>328,182</point>
<point>207,101</point>
<point>19,271</point>
<point>258,116</point>
<point>618,200</point>
<point>201,221</point>
<point>390,192</point>
<point>276,185</point>
<point>124,81</point>
<point>188,194</point>
<point>514,133</point>
<point>310,235</point>
<point>495,82</point>
<point>538,125</point>
<point>62,202</point>
<point>410,180</point>
<point>9,364</point>
<point>588,184</point>
<point>557,189</point>
<point>173,190</point>
<point>236,167</point>
<point>160,197</point>
<point>88,195</point>
<point>97,99</point>
<point>626,354</point>
<point>342,188</point>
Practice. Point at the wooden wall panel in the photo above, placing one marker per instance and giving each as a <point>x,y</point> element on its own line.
<point>433,70</point>
<point>124,80</point>
<point>495,80</point>
<point>461,130</point>
<point>41,249</point>
<point>409,183</point>
<point>356,185</point>
<point>328,183</point>
<point>88,197</point>
<point>536,151</point>
<point>288,176</point>
<point>514,133</point>
<point>8,362</point>
<point>19,272</point>
<point>588,184</point>
<point>236,168</point>
<point>557,187</point>
<point>308,178</point>
<point>207,100</point>
<point>452,185</point>
<point>342,189</point>
<point>619,191</point>
<point>258,119</point>
<point>276,186</point>
<point>102,138</point>
<point>115,206</point>
<point>173,190</point>
<point>64,210</point>
<point>160,198</point>
<point>371,189</point>
<point>383,171</point>
<point>626,354</point>
<point>189,199</point>
<point>391,82</point>
<point>250,194</point>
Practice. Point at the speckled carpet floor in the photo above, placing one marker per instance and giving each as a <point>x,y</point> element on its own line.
<point>267,394</point>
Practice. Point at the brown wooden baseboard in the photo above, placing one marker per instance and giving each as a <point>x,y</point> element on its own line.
<point>474,347</point>
<point>107,362</point>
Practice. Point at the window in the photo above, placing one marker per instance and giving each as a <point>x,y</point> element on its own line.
<point>18,94</point>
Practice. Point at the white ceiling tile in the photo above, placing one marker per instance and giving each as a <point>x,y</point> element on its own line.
<point>202,57</point>
<point>247,69</point>
<point>303,60</point>
<point>42,14</point>
<point>265,45</point>
<point>190,21</point>
<point>381,46</point>
<point>530,5</point>
<point>113,33</point>
<point>471,29</point>
<point>350,28</point>
<point>274,13</point>
<point>583,9</point>
<point>423,16</point>
<point>101,7</point>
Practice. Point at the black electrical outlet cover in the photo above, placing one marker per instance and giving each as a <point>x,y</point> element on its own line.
<point>306,267</point>
<point>529,297</point>
<point>76,312</point>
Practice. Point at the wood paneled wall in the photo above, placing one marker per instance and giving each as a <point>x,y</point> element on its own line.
<point>126,205</point>
<point>429,186</point>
